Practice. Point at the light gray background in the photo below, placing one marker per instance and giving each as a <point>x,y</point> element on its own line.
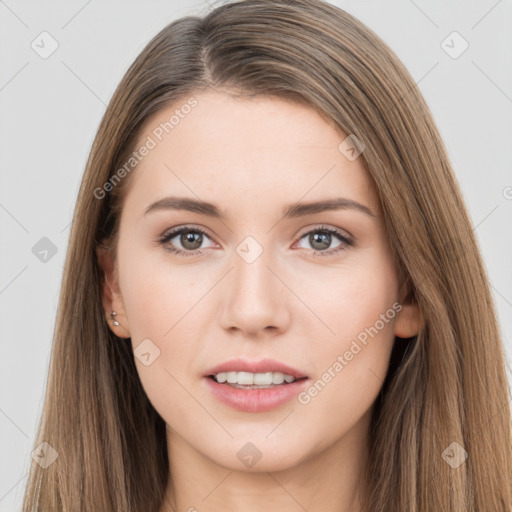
<point>51,109</point>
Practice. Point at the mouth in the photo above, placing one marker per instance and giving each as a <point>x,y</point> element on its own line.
<point>249,380</point>
<point>250,386</point>
<point>254,397</point>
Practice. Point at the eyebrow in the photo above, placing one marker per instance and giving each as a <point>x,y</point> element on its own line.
<point>289,212</point>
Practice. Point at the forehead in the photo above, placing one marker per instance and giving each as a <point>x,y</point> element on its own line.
<point>226,148</point>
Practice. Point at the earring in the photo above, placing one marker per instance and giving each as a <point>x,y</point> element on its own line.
<point>112,316</point>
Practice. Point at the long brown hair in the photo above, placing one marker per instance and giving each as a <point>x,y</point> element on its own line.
<point>444,386</point>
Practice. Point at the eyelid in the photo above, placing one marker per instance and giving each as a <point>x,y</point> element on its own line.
<point>320,227</point>
<point>170,233</point>
<point>304,231</point>
<point>346,240</point>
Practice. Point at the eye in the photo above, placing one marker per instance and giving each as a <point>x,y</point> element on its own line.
<point>321,238</point>
<point>190,239</point>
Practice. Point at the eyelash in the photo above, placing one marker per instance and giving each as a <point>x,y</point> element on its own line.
<point>166,237</point>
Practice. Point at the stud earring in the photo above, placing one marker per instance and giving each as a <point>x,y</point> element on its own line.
<point>112,316</point>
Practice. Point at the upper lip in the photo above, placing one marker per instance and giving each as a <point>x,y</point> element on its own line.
<point>261,366</point>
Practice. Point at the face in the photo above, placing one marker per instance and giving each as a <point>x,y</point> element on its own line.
<point>255,275</point>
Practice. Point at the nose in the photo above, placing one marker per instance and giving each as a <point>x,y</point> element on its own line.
<point>255,302</point>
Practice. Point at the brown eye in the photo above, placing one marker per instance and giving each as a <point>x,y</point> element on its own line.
<point>190,239</point>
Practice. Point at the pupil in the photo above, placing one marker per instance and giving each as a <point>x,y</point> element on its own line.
<point>323,238</point>
<point>193,238</point>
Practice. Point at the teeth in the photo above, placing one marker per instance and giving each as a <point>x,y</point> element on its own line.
<point>249,379</point>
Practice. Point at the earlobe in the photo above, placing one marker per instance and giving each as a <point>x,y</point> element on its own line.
<point>111,295</point>
<point>409,321</point>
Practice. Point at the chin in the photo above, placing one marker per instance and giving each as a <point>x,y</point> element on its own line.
<point>258,456</point>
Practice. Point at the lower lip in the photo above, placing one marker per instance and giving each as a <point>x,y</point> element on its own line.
<point>255,400</point>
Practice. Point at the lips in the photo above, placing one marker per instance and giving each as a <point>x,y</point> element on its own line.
<point>248,399</point>
<point>261,366</point>
<point>255,400</point>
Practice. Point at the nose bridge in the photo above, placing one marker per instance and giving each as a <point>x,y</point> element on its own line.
<point>251,269</point>
<point>254,299</point>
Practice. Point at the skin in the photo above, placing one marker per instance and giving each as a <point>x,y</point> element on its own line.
<point>288,304</point>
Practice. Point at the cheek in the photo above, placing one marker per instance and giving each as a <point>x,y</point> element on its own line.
<point>157,294</point>
<point>161,302</point>
<point>350,297</point>
<point>351,357</point>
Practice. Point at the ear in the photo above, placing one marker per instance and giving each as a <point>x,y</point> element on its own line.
<point>409,320</point>
<point>110,293</point>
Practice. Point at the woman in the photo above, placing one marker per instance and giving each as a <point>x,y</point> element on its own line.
<point>273,298</point>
